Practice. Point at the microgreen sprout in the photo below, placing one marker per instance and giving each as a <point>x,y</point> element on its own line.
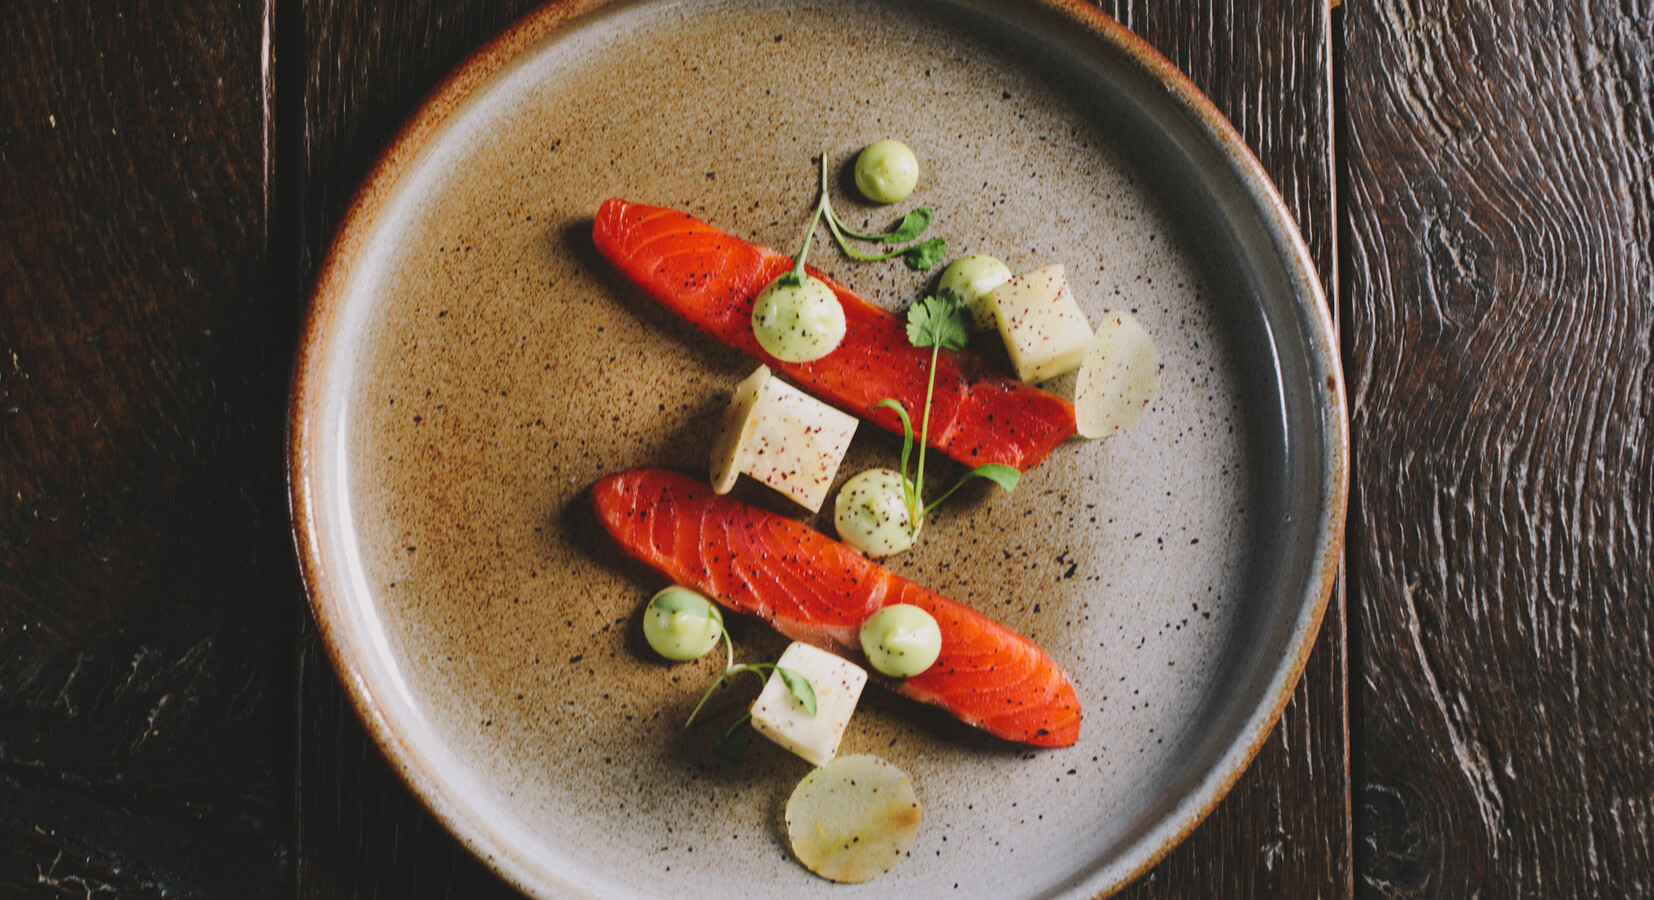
<point>940,323</point>
<point>732,744</point>
<point>919,257</point>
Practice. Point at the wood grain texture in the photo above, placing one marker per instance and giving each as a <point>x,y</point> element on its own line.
<point>353,72</point>
<point>1501,172</point>
<point>1284,830</point>
<point>141,505</point>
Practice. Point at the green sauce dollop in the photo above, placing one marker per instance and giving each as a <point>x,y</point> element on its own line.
<point>681,624</point>
<point>901,640</point>
<point>971,278</point>
<point>887,171</point>
<point>798,322</point>
<point>871,513</point>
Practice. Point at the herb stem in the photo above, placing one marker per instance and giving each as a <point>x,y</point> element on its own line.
<point>707,696</point>
<point>917,514</point>
<point>797,274</point>
<point>737,726</point>
<point>756,669</point>
<point>945,495</point>
<point>838,235</point>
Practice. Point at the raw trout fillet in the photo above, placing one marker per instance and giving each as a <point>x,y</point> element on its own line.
<point>711,280</point>
<point>814,589</point>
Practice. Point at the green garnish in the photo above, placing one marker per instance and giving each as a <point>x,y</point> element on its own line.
<point>938,322</point>
<point>911,226</point>
<point>919,257</point>
<point>732,744</point>
<point>797,685</point>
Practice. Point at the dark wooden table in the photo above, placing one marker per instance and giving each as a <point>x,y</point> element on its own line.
<point>1476,183</point>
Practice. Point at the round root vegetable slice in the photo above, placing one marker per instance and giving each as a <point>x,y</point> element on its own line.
<point>740,420</point>
<point>852,819</point>
<point>1119,376</point>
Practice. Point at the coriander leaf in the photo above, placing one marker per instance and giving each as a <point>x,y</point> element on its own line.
<point>920,257</point>
<point>938,321</point>
<point>912,225</point>
<point>842,236</point>
<point>800,688</point>
<point>732,744</point>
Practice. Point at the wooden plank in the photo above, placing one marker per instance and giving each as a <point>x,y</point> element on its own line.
<point>1284,830</point>
<point>356,70</point>
<point>143,565</point>
<point>1501,173</point>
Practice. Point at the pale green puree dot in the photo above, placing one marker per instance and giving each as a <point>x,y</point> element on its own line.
<point>798,322</point>
<point>901,640</point>
<point>681,624</point>
<point>887,171</point>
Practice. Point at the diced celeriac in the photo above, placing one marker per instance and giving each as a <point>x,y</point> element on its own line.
<point>735,432</point>
<point>1119,376</point>
<point>779,716</point>
<point>1043,327</point>
<point>782,437</point>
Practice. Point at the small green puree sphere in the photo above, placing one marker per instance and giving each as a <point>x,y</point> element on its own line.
<point>798,322</point>
<point>901,640</point>
<point>887,171</point>
<point>871,513</point>
<point>681,624</point>
<point>972,279</point>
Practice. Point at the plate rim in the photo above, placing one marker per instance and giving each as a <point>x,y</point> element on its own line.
<point>360,215</point>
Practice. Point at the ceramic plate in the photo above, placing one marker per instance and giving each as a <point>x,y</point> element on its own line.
<point>471,366</point>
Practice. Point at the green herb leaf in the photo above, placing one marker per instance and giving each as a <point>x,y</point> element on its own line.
<point>800,688</point>
<point>920,257</point>
<point>1000,474</point>
<point>732,744</point>
<point>912,225</point>
<point>938,321</point>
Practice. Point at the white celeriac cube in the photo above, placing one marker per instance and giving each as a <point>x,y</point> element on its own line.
<point>783,437</point>
<point>1043,327</point>
<point>778,715</point>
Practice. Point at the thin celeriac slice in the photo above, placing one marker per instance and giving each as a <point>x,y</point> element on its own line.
<point>1119,377</point>
<point>783,437</point>
<point>1043,327</point>
<point>853,819</point>
<point>779,716</point>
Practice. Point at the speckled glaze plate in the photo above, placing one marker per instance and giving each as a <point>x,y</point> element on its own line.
<point>470,366</point>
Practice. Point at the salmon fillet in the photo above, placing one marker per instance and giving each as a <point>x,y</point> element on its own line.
<point>711,279</point>
<point>814,589</point>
